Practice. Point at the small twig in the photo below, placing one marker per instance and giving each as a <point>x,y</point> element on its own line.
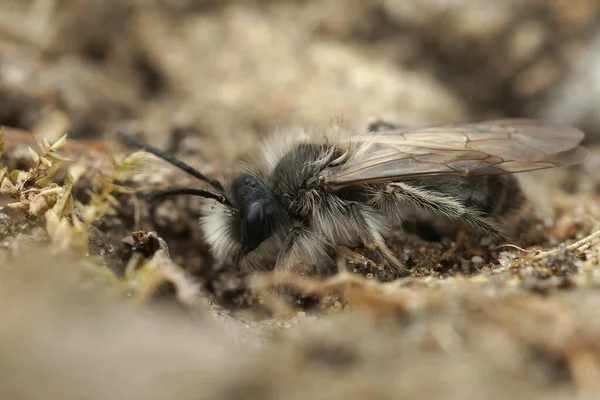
<point>585,241</point>
<point>514,246</point>
<point>580,245</point>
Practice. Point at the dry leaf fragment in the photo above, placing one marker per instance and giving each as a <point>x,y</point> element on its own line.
<point>7,188</point>
<point>59,143</point>
<point>34,156</point>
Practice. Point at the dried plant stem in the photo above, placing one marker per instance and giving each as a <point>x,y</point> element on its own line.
<point>514,247</point>
<point>580,245</point>
<point>585,242</point>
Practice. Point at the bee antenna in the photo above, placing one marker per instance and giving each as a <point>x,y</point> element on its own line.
<point>172,160</point>
<point>161,194</point>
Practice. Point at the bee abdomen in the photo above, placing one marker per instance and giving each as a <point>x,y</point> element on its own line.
<point>497,195</point>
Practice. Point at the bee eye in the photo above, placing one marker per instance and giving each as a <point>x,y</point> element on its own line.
<point>254,229</point>
<point>255,214</point>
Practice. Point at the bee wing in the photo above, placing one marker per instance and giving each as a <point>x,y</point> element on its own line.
<point>469,149</point>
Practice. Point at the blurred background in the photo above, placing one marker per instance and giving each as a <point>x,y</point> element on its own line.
<point>205,71</point>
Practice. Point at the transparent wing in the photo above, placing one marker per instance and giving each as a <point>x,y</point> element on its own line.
<point>470,149</point>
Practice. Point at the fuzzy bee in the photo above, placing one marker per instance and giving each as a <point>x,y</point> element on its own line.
<point>309,196</point>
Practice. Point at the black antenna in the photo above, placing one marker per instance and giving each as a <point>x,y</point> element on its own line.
<point>172,160</point>
<point>161,194</point>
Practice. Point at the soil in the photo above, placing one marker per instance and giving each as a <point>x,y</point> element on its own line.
<point>145,312</point>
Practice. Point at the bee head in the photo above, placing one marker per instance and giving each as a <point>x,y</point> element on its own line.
<point>261,213</point>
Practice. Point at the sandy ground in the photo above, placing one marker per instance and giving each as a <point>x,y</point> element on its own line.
<point>206,80</point>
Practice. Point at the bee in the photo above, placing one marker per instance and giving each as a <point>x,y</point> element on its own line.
<point>311,195</point>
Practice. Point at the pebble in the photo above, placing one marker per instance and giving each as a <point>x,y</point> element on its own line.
<point>477,260</point>
<point>486,241</point>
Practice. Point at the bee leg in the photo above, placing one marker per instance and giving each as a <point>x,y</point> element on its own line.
<point>373,241</point>
<point>444,206</point>
<point>351,256</point>
<point>287,246</point>
<point>306,252</point>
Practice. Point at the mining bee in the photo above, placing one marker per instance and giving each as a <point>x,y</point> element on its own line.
<point>308,196</point>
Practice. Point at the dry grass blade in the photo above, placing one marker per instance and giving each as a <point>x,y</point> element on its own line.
<point>34,156</point>
<point>59,144</point>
